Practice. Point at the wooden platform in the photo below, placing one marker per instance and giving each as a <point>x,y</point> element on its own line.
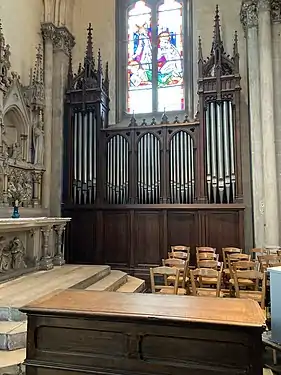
<point>23,290</point>
<point>87,332</point>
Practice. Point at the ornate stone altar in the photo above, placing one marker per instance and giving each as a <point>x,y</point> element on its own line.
<point>30,244</point>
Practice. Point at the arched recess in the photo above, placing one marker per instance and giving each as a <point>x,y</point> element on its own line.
<point>17,123</point>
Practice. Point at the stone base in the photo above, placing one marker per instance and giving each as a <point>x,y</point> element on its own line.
<point>46,263</point>
<point>58,260</point>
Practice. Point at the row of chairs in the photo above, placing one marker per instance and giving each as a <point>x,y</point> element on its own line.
<point>239,275</point>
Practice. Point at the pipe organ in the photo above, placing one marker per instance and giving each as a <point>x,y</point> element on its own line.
<point>134,190</point>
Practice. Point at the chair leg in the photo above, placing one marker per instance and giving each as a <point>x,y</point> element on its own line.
<point>274,356</point>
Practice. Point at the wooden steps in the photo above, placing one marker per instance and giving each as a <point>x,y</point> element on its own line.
<point>21,291</point>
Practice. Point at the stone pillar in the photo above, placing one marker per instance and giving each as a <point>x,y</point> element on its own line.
<point>64,42</point>
<point>276,44</point>
<point>249,19</point>
<point>268,131</point>
<point>48,32</point>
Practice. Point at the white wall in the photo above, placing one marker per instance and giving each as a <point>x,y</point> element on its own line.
<point>21,27</point>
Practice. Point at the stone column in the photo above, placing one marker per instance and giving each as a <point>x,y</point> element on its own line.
<point>276,44</point>
<point>48,32</point>
<point>268,131</point>
<point>64,42</point>
<point>249,19</point>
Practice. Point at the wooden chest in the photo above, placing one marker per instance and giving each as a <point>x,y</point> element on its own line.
<point>85,332</point>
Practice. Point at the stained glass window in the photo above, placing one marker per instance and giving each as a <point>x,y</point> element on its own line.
<point>155,76</point>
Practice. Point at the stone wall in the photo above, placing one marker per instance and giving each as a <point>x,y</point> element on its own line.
<point>21,25</point>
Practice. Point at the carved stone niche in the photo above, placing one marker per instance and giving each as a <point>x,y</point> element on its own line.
<point>16,132</point>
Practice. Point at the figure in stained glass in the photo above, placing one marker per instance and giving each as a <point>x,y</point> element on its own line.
<point>138,76</point>
<point>169,61</point>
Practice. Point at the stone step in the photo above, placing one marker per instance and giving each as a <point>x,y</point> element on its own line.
<point>11,362</point>
<point>133,285</point>
<point>12,335</point>
<point>21,291</point>
<point>110,283</point>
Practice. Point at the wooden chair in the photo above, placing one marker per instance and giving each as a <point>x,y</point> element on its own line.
<point>257,251</point>
<point>205,249</point>
<point>183,267</point>
<point>180,248</point>
<point>164,272</point>
<point>210,264</point>
<point>196,277</point>
<point>266,261</point>
<point>256,277</point>
<point>229,250</point>
<point>179,255</point>
<point>205,256</point>
<point>243,265</point>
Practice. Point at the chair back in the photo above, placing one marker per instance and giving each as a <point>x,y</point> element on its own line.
<point>165,272</point>
<point>229,250</point>
<point>180,248</point>
<point>205,249</point>
<point>205,273</point>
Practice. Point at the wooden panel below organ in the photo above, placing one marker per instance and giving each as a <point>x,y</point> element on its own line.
<point>138,236</point>
<point>85,332</point>
<point>148,244</point>
<point>116,237</point>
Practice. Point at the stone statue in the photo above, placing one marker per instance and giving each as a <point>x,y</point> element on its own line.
<point>16,151</point>
<point>11,254</point>
<point>5,255</point>
<point>17,251</point>
<point>38,141</point>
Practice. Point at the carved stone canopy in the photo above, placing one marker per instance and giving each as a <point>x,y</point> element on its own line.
<point>276,11</point>
<point>249,14</point>
<point>60,37</point>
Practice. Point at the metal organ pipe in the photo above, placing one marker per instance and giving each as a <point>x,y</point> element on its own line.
<point>226,150</point>
<point>117,184</point>
<point>220,152</point>
<point>220,160</point>
<point>232,155</point>
<point>213,147</point>
<point>148,153</point>
<point>208,152</point>
<point>79,184</point>
<point>75,138</point>
<point>84,158</point>
<point>182,184</point>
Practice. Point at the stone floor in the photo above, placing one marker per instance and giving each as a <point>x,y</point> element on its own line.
<point>19,292</point>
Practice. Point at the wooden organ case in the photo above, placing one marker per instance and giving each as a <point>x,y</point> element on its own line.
<point>134,191</point>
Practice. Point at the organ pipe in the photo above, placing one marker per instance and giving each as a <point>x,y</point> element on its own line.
<point>117,164</point>
<point>84,158</point>
<point>182,174</point>
<point>148,169</point>
<point>220,160</point>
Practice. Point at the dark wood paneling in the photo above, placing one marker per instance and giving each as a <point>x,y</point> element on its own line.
<point>134,239</point>
<point>116,238</point>
<point>148,238</point>
<point>223,229</point>
<point>81,237</point>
